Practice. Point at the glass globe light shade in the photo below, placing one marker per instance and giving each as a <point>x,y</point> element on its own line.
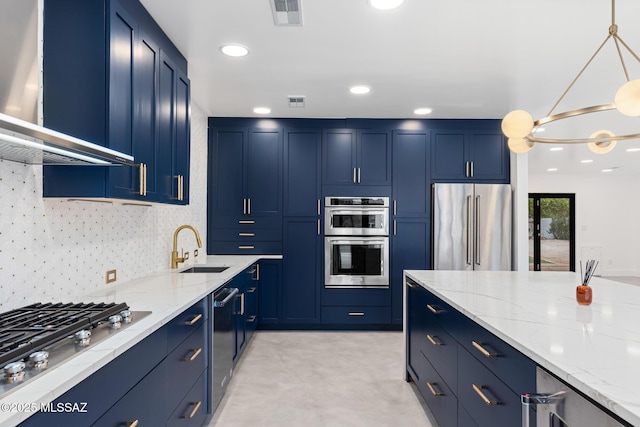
<point>520,145</point>
<point>627,98</point>
<point>517,124</point>
<point>603,146</point>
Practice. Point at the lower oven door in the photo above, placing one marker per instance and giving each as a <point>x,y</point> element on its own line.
<point>356,262</point>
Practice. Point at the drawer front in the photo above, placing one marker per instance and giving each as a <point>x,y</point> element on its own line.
<point>356,297</point>
<point>484,396</point>
<point>507,363</point>
<point>239,247</point>
<point>248,234</point>
<point>191,411</point>
<point>185,324</point>
<point>441,312</point>
<point>184,365</point>
<point>441,350</point>
<point>245,221</point>
<point>356,315</point>
<point>441,400</point>
<point>464,419</point>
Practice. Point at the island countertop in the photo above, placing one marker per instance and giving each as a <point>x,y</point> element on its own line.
<point>166,294</point>
<point>594,348</point>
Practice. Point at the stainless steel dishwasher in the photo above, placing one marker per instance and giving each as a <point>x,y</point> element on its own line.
<point>222,341</point>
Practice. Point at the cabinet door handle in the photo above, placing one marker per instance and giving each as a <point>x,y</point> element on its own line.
<point>395,207</point>
<point>432,340</point>
<point>478,390</point>
<point>196,406</point>
<point>483,350</point>
<point>249,206</point>
<point>358,175</point>
<point>246,234</point>
<point>434,310</point>
<point>466,169</point>
<point>145,179</point>
<point>354,175</point>
<point>193,320</point>
<point>193,357</point>
<point>257,272</point>
<point>244,206</point>
<point>141,183</point>
<point>318,227</point>
<point>471,169</point>
<point>356,313</point>
<point>242,304</point>
<point>318,206</point>
<point>133,423</point>
<point>433,390</point>
<point>251,319</point>
<point>394,227</point>
<point>179,187</point>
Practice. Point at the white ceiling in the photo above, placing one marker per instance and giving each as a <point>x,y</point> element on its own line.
<point>463,58</point>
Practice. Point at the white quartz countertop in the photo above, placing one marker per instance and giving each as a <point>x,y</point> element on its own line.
<point>166,294</point>
<point>594,348</point>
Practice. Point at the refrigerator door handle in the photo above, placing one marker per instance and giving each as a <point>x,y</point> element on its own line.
<point>477,239</point>
<point>469,229</point>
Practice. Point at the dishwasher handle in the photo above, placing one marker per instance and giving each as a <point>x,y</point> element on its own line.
<point>230,293</point>
<point>529,399</point>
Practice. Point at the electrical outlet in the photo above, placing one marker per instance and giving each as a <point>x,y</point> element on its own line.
<point>195,253</point>
<point>186,256</point>
<point>111,276</point>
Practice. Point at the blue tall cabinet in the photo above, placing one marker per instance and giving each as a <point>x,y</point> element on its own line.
<point>112,77</point>
<point>288,166</point>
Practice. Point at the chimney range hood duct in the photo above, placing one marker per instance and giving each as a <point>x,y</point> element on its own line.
<point>24,142</point>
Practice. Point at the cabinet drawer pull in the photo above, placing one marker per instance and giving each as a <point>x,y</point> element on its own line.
<point>478,390</point>
<point>196,406</point>
<point>246,221</point>
<point>251,290</point>
<point>246,247</point>
<point>434,310</point>
<point>433,341</point>
<point>193,357</point>
<point>194,320</point>
<point>433,390</point>
<point>356,313</point>
<point>133,423</point>
<point>483,350</point>
<point>411,285</point>
<point>251,319</point>
<point>246,234</point>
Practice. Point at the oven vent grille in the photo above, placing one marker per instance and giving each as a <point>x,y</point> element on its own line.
<point>296,101</point>
<point>286,12</point>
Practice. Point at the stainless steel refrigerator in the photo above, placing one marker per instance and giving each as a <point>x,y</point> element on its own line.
<point>472,227</point>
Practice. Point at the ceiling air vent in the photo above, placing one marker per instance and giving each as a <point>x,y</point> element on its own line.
<point>286,12</point>
<point>296,101</point>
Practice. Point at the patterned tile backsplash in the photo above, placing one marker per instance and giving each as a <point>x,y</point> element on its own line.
<point>58,250</point>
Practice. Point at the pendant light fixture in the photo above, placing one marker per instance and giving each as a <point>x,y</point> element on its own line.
<point>519,126</point>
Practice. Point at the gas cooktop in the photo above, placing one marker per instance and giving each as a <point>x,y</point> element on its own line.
<point>36,337</point>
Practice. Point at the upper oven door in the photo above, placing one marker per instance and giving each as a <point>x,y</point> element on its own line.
<point>357,221</point>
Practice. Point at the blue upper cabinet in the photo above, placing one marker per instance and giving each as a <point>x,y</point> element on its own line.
<point>411,177</point>
<point>115,79</point>
<point>302,173</point>
<point>356,157</point>
<point>468,154</point>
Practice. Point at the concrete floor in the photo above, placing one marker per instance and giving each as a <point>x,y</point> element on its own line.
<point>322,379</point>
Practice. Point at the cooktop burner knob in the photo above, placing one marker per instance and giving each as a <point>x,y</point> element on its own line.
<point>14,372</point>
<point>83,337</point>
<point>39,360</point>
<point>126,316</point>
<point>115,321</point>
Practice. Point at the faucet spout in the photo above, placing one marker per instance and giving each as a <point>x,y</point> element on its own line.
<point>175,259</point>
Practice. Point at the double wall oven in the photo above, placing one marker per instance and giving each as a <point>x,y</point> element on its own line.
<point>356,242</point>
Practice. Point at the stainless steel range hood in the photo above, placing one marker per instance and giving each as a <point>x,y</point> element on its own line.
<point>24,142</point>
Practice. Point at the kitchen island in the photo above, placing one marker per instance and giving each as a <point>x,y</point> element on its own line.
<point>165,294</point>
<point>595,349</point>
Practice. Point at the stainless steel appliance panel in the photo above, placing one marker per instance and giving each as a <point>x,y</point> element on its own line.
<point>472,227</point>
<point>223,341</point>
<point>346,216</point>
<point>356,262</point>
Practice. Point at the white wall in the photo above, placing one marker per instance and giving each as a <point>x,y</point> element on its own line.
<point>52,250</point>
<point>607,216</point>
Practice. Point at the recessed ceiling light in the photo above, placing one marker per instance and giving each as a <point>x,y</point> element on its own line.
<point>607,170</point>
<point>556,149</point>
<point>423,111</point>
<point>234,50</point>
<point>552,169</point>
<point>385,4</point>
<point>632,150</point>
<point>360,89</point>
<point>262,110</point>
<point>586,161</point>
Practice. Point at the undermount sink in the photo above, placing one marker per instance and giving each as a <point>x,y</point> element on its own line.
<point>205,269</point>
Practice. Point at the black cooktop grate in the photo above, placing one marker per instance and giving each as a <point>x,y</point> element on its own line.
<point>32,328</point>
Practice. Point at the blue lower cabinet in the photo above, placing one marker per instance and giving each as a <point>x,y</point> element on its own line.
<point>485,397</point>
<point>269,291</point>
<point>441,350</point>
<point>356,315</point>
<point>416,329</point>
<point>190,412</point>
<point>441,399</point>
<point>251,308</point>
<point>144,403</point>
<point>464,419</point>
